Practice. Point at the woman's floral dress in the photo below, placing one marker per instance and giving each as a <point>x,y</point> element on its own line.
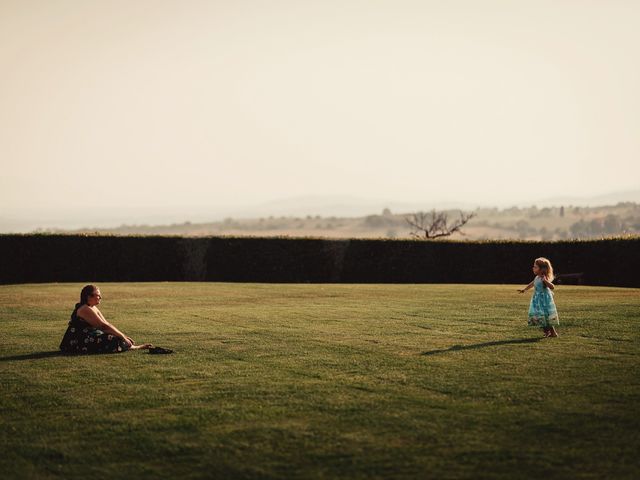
<point>542,309</point>
<point>81,337</point>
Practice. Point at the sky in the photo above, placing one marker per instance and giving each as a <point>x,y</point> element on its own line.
<point>152,104</point>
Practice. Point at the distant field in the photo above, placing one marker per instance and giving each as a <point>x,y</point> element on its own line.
<point>549,223</point>
<point>323,381</point>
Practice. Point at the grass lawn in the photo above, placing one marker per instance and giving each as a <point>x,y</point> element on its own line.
<point>323,381</point>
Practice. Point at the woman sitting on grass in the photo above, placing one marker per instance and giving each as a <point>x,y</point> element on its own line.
<point>90,332</point>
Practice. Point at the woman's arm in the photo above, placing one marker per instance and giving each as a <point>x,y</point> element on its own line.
<point>97,320</point>
<point>522,290</point>
<point>113,328</point>
<point>108,325</point>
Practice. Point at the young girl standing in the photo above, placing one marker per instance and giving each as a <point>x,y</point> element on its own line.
<point>542,310</point>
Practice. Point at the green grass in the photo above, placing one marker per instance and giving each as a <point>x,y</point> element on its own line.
<point>323,381</point>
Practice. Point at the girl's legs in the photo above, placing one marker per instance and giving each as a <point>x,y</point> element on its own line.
<point>545,331</point>
<point>553,332</point>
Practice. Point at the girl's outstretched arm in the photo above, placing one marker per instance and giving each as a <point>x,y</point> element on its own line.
<point>522,290</point>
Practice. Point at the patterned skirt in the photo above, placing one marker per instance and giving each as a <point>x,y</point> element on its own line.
<point>81,338</point>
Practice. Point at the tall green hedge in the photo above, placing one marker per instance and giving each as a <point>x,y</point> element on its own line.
<point>76,258</point>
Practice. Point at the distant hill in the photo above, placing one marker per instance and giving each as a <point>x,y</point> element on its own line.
<point>325,206</point>
<point>532,223</point>
<point>599,200</point>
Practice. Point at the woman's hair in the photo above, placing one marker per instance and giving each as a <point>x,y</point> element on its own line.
<point>545,265</point>
<point>86,292</point>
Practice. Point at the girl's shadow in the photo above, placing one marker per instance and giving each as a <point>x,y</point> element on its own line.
<point>32,356</point>
<point>475,346</point>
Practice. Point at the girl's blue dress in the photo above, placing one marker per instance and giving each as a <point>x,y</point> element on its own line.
<point>542,310</point>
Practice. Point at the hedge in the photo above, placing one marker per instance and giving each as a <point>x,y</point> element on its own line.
<point>78,258</point>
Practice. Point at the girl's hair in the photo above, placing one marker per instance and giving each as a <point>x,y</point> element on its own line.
<point>86,292</point>
<point>545,265</point>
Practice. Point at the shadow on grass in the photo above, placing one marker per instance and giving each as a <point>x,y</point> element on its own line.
<point>475,346</point>
<point>32,356</point>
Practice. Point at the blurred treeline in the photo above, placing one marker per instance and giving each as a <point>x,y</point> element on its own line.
<point>530,223</point>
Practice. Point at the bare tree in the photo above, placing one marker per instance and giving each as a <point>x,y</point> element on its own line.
<point>436,224</point>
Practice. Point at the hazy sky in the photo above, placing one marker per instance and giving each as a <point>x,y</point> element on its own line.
<point>148,102</point>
